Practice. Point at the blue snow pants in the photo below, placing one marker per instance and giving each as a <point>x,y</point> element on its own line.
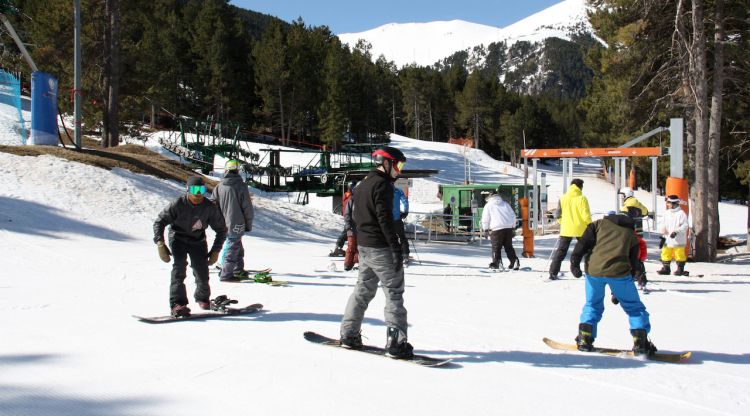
<point>624,290</point>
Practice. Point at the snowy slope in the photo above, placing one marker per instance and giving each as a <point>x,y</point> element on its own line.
<point>78,260</point>
<point>427,43</point>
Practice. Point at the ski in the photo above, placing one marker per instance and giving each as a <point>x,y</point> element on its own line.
<point>227,311</point>
<point>668,357</point>
<point>422,360</point>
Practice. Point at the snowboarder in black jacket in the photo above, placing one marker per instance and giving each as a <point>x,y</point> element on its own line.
<point>380,256</point>
<point>188,217</point>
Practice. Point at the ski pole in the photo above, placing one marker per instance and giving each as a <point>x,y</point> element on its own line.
<point>414,247</point>
<point>549,259</point>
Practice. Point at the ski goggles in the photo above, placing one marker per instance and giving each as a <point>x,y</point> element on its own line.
<point>197,189</point>
<point>399,166</point>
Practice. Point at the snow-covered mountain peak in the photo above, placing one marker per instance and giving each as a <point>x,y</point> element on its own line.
<point>427,43</point>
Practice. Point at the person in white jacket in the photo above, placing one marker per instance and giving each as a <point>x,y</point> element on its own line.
<point>673,229</point>
<point>499,219</point>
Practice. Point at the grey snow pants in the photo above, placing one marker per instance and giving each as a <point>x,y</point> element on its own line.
<point>375,266</point>
<point>232,258</point>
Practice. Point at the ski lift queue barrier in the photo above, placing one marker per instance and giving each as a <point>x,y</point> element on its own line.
<point>432,226</point>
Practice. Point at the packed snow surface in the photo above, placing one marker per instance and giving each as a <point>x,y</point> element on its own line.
<point>78,260</point>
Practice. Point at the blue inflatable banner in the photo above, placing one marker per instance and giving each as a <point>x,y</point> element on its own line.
<point>43,109</point>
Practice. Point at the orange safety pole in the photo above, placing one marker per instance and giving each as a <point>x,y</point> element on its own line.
<point>528,235</point>
<point>631,179</point>
<point>679,187</point>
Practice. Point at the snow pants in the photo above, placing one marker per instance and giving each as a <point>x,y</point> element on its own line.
<point>232,257</point>
<point>375,266</point>
<point>623,288</point>
<point>352,253</point>
<point>563,243</point>
<point>502,239</point>
<point>676,253</point>
<point>198,253</point>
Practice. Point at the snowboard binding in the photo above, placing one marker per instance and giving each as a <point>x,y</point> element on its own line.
<point>263,277</point>
<point>221,302</point>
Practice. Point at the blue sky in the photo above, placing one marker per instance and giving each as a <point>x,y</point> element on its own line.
<point>357,16</point>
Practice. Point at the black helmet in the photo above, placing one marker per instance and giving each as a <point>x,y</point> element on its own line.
<point>673,199</point>
<point>387,152</point>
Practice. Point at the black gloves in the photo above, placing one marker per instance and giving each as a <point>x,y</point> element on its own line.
<point>576,270</point>
<point>662,241</point>
<point>398,260</point>
<point>404,215</point>
<point>673,235</point>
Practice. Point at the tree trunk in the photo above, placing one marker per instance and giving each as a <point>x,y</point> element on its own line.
<point>106,73</point>
<point>281,113</point>
<point>699,75</point>
<point>714,132</point>
<point>114,69</point>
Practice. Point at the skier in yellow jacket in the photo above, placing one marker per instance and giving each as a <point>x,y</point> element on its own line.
<point>574,216</point>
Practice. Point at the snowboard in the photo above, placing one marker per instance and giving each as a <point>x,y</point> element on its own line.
<point>422,360</point>
<point>247,310</point>
<point>668,357</point>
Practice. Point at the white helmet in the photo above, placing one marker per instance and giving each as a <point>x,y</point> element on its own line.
<point>627,191</point>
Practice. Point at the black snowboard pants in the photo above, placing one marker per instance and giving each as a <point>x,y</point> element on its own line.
<point>563,243</point>
<point>500,239</point>
<point>198,253</point>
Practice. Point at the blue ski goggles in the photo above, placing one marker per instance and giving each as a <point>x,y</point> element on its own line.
<point>197,189</point>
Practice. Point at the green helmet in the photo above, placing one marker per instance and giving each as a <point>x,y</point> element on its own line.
<point>232,164</point>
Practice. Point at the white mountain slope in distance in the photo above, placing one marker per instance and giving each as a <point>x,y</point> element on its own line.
<point>427,43</point>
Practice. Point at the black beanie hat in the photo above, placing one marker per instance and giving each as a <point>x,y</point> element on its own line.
<point>194,181</point>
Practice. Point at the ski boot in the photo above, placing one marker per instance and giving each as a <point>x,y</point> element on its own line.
<point>494,266</point>
<point>585,338</point>
<point>680,269</point>
<point>241,275</point>
<point>221,302</point>
<point>180,311</point>
<point>204,305</point>
<point>337,252</point>
<point>397,346</point>
<point>664,268</point>
<point>641,344</point>
<point>353,342</point>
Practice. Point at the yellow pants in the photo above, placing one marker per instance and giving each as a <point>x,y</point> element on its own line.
<point>676,253</point>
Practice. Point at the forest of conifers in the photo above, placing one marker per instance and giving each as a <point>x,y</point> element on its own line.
<point>207,58</point>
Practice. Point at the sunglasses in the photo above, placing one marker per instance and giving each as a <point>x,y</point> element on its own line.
<point>197,189</point>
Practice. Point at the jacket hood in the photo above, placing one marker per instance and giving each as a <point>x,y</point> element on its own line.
<point>623,220</point>
<point>574,190</point>
<point>231,178</point>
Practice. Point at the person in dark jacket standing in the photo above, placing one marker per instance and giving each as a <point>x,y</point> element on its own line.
<point>234,201</point>
<point>380,256</point>
<point>188,217</point>
<point>611,251</point>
